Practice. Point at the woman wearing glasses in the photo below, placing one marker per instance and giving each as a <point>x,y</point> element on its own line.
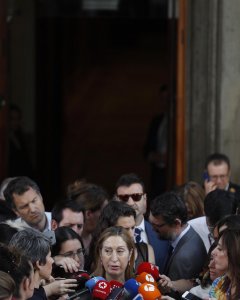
<point>114,255</point>
<point>69,244</point>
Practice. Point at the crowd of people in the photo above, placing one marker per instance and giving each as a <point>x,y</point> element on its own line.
<point>92,245</point>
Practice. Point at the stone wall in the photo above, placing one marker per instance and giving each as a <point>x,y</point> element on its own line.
<point>213,83</point>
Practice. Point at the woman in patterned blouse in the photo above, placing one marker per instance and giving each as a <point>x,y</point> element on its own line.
<point>227,259</point>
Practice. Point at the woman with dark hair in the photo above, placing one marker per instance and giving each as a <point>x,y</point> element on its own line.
<point>229,222</point>
<point>114,254</point>
<point>16,265</point>
<point>68,244</point>
<point>227,259</point>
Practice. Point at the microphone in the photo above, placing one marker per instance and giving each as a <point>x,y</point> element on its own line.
<point>115,284</point>
<point>89,285</point>
<point>101,290</point>
<point>116,294</point>
<point>138,297</point>
<point>127,292</point>
<point>146,278</point>
<point>149,292</point>
<point>148,268</point>
<point>81,278</point>
<point>131,287</point>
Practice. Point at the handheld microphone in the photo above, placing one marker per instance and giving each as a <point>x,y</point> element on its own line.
<point>127,292</point>
<point>149,292</point>
<point>116,294</point>
<point>146,278</point>
<point>101,290</point>
<point>81,278</point>
<point>81,293</point>
<point>131,287</point>
<point>148,268</point>
<point>115,284</point>
<point>89,285</point>
<point>138,297</point>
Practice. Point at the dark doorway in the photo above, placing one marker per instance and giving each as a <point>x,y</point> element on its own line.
<point>99,72</point>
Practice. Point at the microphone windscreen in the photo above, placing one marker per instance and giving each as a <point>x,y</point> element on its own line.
<point>115,284</point>
<point>90,284</point>
<point>148,268</point>
<point>149,292</point>
<point>131,286</point>
<point>146,277</point>
<point>101,290</point>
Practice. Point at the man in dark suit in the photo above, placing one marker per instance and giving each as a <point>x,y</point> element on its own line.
<point>130,189</point>
<point>187,253</point>
<point>218,172</point>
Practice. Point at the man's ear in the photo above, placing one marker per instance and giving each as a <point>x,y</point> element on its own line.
<point>54,224</point>
<point>37,266</point>
<point>178,222</point>
<point>26,283</point>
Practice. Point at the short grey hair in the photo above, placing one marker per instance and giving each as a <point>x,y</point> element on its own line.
<point>33,244</point>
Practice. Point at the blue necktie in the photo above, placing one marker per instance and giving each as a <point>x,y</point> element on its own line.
<point>137,235</point>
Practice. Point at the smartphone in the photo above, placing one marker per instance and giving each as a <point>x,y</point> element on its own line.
<point>189,296</point>
<point>206,176</point>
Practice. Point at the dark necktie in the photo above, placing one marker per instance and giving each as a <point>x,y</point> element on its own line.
<point>137,235</point>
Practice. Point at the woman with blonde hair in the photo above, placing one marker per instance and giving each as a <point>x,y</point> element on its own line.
<point>114,254</point>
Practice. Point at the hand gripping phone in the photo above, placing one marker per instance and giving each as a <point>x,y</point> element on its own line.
<point>189,296</point>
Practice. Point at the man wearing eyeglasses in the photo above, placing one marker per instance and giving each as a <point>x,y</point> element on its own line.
<point>187,253</point>
<point>217,175</point>
<point>130,189</point>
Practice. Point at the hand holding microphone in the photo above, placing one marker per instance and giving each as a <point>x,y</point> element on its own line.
<point>87,290</point>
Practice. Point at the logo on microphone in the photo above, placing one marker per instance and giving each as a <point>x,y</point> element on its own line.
<point>149,278</point>
<point>149,288</point>
<point>102,285</point>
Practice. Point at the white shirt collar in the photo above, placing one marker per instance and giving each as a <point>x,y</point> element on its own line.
<point>142,225</point>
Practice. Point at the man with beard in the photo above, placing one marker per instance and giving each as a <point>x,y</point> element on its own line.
<point>187,252</point>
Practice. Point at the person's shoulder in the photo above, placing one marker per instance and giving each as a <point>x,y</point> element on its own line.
<point>193,239</point>
<point>197,221</point>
